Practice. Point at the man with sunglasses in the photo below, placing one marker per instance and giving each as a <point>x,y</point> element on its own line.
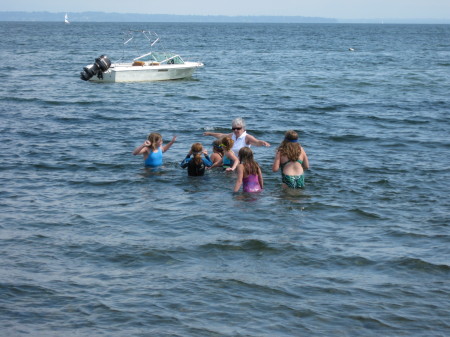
<point>239,135</point>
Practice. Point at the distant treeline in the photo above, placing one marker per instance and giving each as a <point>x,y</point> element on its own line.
<point>119,17</point>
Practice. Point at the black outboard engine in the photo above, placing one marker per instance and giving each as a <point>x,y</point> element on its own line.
<point>100,65</point>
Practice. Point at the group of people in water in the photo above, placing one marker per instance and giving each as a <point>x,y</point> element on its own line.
<point>232,152</point>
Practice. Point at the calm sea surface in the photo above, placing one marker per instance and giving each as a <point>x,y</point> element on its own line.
<point>91,244</point>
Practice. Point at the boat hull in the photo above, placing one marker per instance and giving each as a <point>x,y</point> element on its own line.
<point>147,73</point>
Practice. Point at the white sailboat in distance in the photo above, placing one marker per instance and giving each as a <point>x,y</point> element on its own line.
<point>66,19</point>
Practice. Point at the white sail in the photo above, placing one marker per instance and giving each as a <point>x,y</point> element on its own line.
<point>66,19</point>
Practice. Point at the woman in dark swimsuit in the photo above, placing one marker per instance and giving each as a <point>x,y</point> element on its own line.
<point>292,159</point>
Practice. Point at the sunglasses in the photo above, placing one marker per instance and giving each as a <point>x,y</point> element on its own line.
<point>236,129</point>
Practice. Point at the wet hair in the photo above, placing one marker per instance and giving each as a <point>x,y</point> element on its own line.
<point>238,122</point>
<point>217,147</point>
<point>197,150</point>
<point>290,147</point>
<point>154,138</point>
<point>226,143</point>
<point>246,159</point>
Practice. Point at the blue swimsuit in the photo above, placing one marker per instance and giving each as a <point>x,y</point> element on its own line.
<point>154,159</point>
<point>227,162</point>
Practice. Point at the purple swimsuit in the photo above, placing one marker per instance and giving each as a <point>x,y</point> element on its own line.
<point>251,183</point>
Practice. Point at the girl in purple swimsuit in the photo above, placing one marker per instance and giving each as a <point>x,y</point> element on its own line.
<point>248,172</point>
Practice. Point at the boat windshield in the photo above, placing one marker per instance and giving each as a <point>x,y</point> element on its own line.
<point>162,57</point>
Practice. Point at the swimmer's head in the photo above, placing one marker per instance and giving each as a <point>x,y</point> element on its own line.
<point>290,147</point>
<point>238,126</point>
<point>238,123</point>
<point>197,148</point>
<point>156,140</point>
<point>216,146</point>
<point>226,143</point>
<point>245,154</point>
<point>291,136</point>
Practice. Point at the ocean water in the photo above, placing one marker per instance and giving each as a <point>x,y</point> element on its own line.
<point>92,244</point>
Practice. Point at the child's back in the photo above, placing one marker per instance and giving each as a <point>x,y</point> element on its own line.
<point>196,165</point>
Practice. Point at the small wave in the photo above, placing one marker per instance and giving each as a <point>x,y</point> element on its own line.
<point>371,322</point>
<point>13,290</point>
<point>249,285</point>
<point>366,214</point>
<point>196,98</point>
<point>46,102</point>
<point>352,138</point>
<point>417,264</point>
<point>128,256</point>
<point>99,183</point>
<point>248,245</point>
<point>333,107</point>
<point>401,233</point>
<point>353,261</point>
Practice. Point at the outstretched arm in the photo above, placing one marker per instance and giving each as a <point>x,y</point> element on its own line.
<point>257,142</point>
<point>232,156</point>
<point>215,134</point>
<point>169,144</point>
<point>217,163</point>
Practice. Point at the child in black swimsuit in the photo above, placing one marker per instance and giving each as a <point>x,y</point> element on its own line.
<point>196,165</point>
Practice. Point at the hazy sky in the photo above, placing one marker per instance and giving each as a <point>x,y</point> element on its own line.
<point>341,9</point>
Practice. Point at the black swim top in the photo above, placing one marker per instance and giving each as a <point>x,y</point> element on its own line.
<point>194,169</point>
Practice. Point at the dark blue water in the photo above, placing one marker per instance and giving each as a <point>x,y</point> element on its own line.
<point>91,244</point>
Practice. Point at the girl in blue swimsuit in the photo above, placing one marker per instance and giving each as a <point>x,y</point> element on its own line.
<point>292,159</point>
<point>152,149</point>
<point>229,160</point>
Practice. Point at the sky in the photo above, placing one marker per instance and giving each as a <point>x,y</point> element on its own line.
<point>339,9</point>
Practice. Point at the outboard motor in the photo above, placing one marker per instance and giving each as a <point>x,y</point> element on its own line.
<point>100,65</point>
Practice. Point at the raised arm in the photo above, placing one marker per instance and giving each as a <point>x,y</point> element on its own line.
<point>186,160</point>
<point>141,149</point>
<point>257,142</point>
<point>207,160</point>
<point>169,144</point>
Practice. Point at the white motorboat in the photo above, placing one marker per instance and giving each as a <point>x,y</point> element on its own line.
<point>151,66</point>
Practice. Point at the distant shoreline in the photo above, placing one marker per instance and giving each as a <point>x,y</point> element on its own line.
<point>134,17</point>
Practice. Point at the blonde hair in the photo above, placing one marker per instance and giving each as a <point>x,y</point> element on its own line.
<point>197,150</point>
<point>154,139</point>
<point>246,159</point>
<point>290,147</point>
<point>227,143</point>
